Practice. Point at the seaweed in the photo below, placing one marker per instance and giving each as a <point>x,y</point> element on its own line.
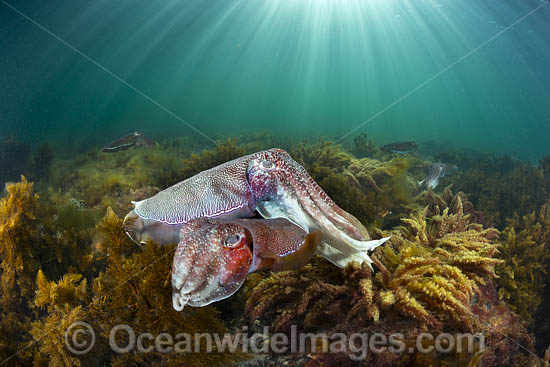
<point>51,277</point>
<point>17,269</point>
<point>526,250</point>
<point>501,187</point>
<point>438,268</point>
<point>208,158</point>
<point>436,204</point>
<point>133,290</point>
<point>65,258</point>
<point>436,274</point>
<point>113,180</point>
<point>364,147</point>
<point>33,242</point>
<point>545,165</point>
<point>377,193</point>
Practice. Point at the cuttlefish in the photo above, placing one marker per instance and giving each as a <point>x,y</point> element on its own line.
<point>437,170</point>
<point>269,182</point>
<point>214,256</point>
<point>135,139</point>
<point>402,147</point>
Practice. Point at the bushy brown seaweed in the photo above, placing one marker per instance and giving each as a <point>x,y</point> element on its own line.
<point>437,274</point>
<point>436,204</point>
<point>365,147</point>
<point>501,187</point>
<point>121,284</point>
<point>223,152</point>
<point>377,193</point>
<point>17,268</point>
<point>525,272</point>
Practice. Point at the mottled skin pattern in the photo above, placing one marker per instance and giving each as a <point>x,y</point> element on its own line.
<point>210,263</point>
<point>283,189</point>
<point>278,244</point>
<point>214,256</point>
<point>270,182</point>
<point>222,191</point>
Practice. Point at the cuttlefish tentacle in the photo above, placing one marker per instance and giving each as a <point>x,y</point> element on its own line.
<point>326,205</point>
<point>283,188</point>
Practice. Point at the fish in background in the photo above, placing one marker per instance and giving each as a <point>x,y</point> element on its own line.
<point>135,139</point>
<point>402,147</point>
<point>437,171</point>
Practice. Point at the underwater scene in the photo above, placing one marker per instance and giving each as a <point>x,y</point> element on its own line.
<point>265,183</point>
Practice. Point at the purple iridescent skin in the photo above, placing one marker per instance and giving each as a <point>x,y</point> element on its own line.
<point>269,182</point>
<point>283,189</point>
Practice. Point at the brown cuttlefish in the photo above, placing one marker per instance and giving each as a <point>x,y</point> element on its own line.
<point>214,256</point>
<point>135,139</point>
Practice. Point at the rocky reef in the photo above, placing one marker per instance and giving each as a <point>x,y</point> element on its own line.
<point>472,262</point>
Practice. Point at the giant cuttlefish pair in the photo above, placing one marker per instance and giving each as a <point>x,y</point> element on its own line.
<point>217,247</point>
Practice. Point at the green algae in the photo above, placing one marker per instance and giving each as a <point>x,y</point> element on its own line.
<point>65,253</point>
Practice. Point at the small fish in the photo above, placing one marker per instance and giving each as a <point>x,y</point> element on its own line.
<point>214,256</point>
<point>401,147</point>
<point>135,139</point>
<point>437,171</point>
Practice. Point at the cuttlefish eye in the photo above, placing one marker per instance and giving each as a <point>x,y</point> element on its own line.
<point>268,165</point>
<point>232,241</point>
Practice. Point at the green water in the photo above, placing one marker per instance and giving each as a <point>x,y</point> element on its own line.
<point>301,68</point>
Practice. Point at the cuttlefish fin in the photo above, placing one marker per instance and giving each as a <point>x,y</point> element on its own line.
<point>301,257</point>
<point>295,260</point>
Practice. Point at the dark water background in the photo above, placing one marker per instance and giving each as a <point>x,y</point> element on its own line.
<point>301,68</point>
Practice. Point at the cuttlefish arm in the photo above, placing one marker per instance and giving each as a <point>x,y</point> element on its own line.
<point>214,256</point>
<point>283,189</point>
<point>222,191</point>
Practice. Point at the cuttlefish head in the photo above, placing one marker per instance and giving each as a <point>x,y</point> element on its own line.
<point>214,256</point>
<point>283,189</point>
<point>211,262</point>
